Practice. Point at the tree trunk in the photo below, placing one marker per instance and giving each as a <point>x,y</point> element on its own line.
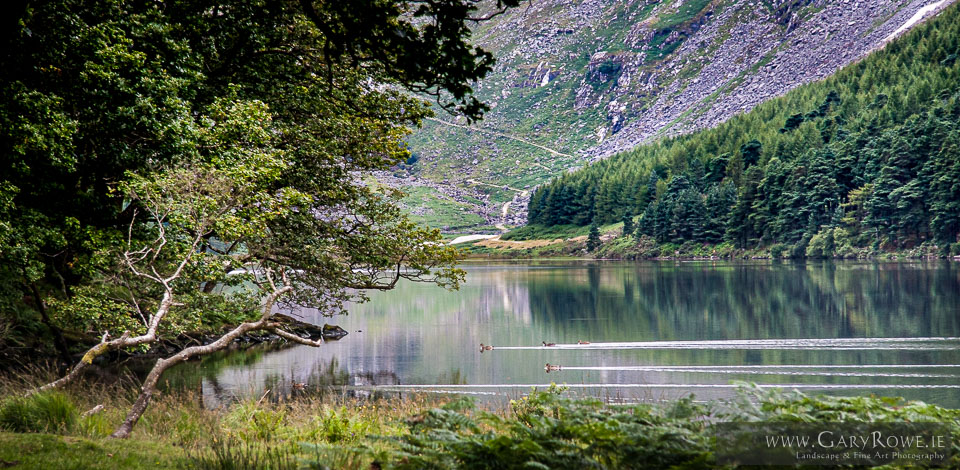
<point>149,388</point>
<point>58,341</point>
<point>146,394</point>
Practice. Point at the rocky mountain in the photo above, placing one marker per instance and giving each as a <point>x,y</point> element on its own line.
<point>580,80</point>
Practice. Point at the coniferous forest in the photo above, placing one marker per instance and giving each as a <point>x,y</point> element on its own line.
<point>868,158</point>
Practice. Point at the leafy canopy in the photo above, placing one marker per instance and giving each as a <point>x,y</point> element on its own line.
<point>249,123</point>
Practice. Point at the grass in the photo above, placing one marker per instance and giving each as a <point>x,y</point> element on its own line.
<point>543,232</point>
<point>686,12</point>
<point>552,232</point>
<point>46,451</point>
<point>438,211</point>
<point>178,432</point>
<point>44,412</point>
<point>543,429</point>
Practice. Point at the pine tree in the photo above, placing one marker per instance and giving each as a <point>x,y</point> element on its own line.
<point>739,229</point>
<point>688,216</point>
<point>646,225</point>
<point>593,239</point>
<point>652,186</point>
<point>627,225</point>
<point>945,204</point>
<point>720,200</point>
<point>750,152</point>
<point>716,169</point>
<point>663,221</point>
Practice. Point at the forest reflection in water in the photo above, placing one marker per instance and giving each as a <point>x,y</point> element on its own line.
<point>656,329</point>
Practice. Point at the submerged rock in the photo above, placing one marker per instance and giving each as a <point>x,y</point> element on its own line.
<point>333,332</point>
<point>309,330</point>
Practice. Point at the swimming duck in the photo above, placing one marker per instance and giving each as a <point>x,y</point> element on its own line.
<point>582,342</point>
<point>485,348</point>
<point>546,344</point>
<point>549,368</point>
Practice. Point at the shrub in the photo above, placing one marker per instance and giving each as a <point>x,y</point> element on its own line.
<point>821,245</point>
<point>800,249</point>
<point>548,430</point>
<point>337,425</point>
<point>551,431</point>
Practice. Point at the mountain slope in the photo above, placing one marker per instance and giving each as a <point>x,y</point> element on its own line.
<point>576,81</point>
<point>868,159</point>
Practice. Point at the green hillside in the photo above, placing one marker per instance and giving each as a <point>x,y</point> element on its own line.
<point>579,81</point>
<point>868,157</point>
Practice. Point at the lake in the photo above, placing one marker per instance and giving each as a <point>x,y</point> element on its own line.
<point>655,330</point>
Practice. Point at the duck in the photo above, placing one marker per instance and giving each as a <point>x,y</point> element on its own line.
<point>546,344</point>
<point>485,347</point>
<point>582,342</point>
<point>549,368</point>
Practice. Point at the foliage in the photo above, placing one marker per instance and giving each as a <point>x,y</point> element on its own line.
<point>550,431</point>
<point>108,110</point>
<point>593,238</point>
<point>627,225</point>
<point>871,151</point>
<point>543,428</point>
<point>52,412</point>
<point>339,425</point>
<point>163,163</point>
<point>755,404</point>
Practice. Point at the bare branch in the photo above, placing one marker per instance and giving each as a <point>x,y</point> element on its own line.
<point>133,219</point>
<point>294,338</point>
<point>150,383</point>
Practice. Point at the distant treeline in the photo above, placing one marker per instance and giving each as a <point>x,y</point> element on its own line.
<point>867,157</point>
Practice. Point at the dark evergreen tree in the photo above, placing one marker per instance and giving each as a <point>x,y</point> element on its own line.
<point>740,230</point>
<point>945,192</point>
<point>593,239</point>
<point>688,216</point>
<point>792,123</point>
<point>647,221</point>
<point>720,200</point>
<point>663,220</point>
<point>652,186</point>
<point>821,196</point>
<point>716,169</point>
<point>750,152</point>
<point>696,174</point>
<point>627,225</point>
<point>583,210</point>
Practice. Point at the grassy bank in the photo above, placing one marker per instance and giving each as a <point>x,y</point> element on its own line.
<point>51,451</point>
<point>536,241</point>
<point>546,429</point>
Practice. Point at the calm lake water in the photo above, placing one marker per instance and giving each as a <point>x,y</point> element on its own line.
<point>656,330</point>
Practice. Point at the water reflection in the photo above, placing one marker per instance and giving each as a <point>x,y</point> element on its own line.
<point>725,320</point>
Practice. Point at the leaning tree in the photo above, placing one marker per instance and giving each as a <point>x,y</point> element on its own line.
<point>157,152</point>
